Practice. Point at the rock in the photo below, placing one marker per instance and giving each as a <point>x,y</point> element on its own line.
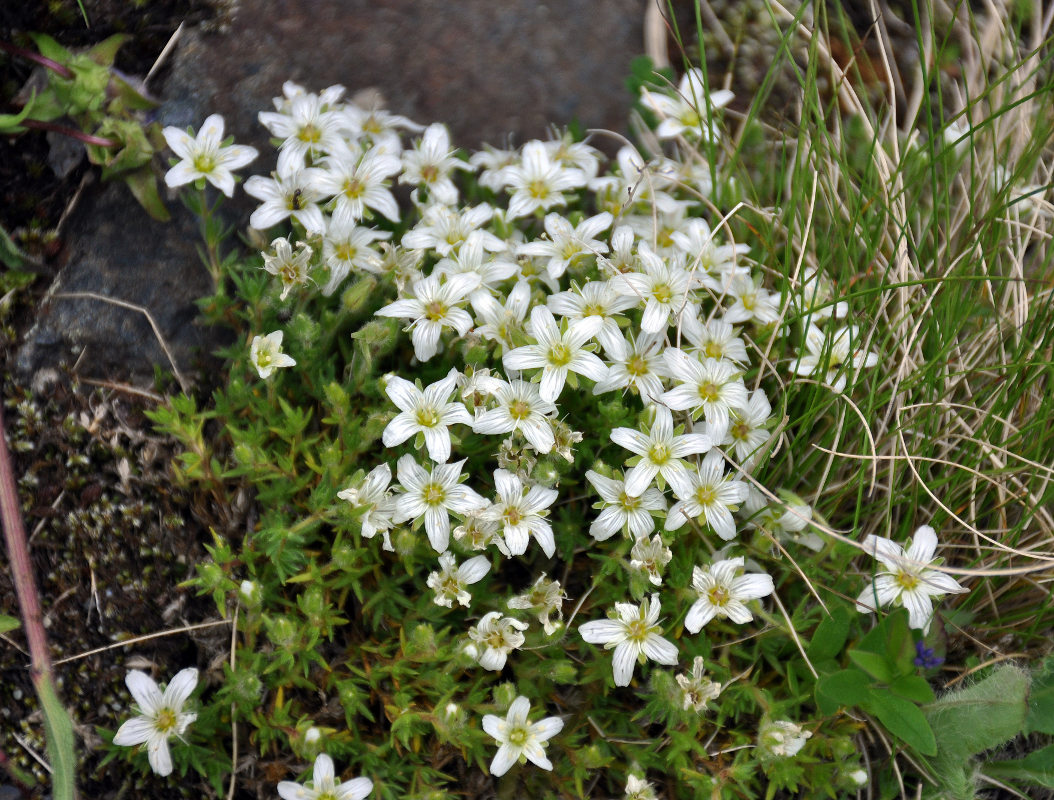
<point>495,72</point>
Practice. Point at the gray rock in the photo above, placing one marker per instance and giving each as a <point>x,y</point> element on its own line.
<point>494,70</point>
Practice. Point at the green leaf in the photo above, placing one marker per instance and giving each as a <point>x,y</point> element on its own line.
<point>1036,768</point>
<point>106,51</point>
<point>49,48</point>
<point>1041,700</point>
<point>904,720</point>
<point>830,635</point>
<point>143,185</point>
<point>59,734</point>
<point>913,687</point>
<point>8,623</point>
<point>848,687</point>
<point>875,665</point>
<point>10,123</point>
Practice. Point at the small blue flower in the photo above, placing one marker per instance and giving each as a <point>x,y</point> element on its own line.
<point>925,656</point>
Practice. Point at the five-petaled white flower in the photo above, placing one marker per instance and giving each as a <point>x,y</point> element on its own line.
<point>635,635</point>
<point>495,637</point>
<point>521,515</point>
<point>205,157</point>
<point>265,353</point>
<point>450,581</point>
<point>722,594</point>
<point>907,581</point>
<point>711,494</point>
<point>566,244</point>
<point>520,739</point>
<point>294,194</point>
<point>325,786</point>
<point>556,352</point>
<point>433,307</point>
<point>711,386</point>
<point>661,453</point>
<point>429,164</point>
<point>686,112</point>
<point>841,350</point>
<point>520,408</point>
<point>433,495</point>
<point>538,182</point>
<point>621,510</point>
<point>162,715</point>
<point>427,412</point>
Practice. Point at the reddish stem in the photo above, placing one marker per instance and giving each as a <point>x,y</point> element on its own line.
<point>73,133</point>
<point>44,61</point>
<point>22,567</point>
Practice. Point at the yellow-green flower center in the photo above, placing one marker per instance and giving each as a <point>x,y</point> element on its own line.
<point>165,722</point>
<point>204,163</point>
<point>907,581</point>
<point>659,453</point>
<point>427,417</point>
<point>718,595</point>
<point>705,495</point>
<point>662,292</point>
<point>637,366</point>
<point>708,391</point>
<point>518,736</point>
<point>628,503</point>
<point>435,311</point>
<point>433,494</point>
<point>560,355</point>
<point>519,410</point>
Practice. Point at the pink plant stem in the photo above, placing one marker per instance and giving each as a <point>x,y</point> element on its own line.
<point>44,61</point>
<point>73,133</point>
<point>22,567</point>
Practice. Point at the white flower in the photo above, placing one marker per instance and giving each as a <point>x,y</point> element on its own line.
<point>295,195</point>
<point>538,182</point>
<point>595,299</point>
<point>429,164</point>
<point>450,582</point>
<point>635,635</point>
<point>781,738</point>
<point>521,514</point>
<point>637,365</point>
<point>697,689</point>
<point>661,452</point>
<point>476,531</point>
<point>907,581</point>
<point>205,156</point>
<point>711,265</point>
<point>650,556</point>
<point>291,269</point>
<point>712,386</point>
<point>566,244</point>
<point>444,229</point>
<point>346,246</point>
<point>662,288</point>
<point>497,636</point>
<point>308,127</point>
<point>520,408</point>
<point>497,322</point>
<point>556,352</point>
<point>493,163</point>
<point>639,789</point>
<point>265,353</point>
<point>711,494</point>
<point>781,520</point>
<point>427,412</point>
<point>377,501</point>
<point>545,597</point>
<point>750,302</point>
<point>359,181</point>
<point>324,786</point>
<point>843,348</point>
<point>746,430</point>
<point>722,594</point>
<point>714,339</point>
<point>621,510</point>
<point>162,715</point>
<point>686,113</point>
<point>433,495</point>
<point>520,739</point>
<point>433,307</point>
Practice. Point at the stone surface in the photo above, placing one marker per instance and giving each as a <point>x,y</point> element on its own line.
<point>495,71</point>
